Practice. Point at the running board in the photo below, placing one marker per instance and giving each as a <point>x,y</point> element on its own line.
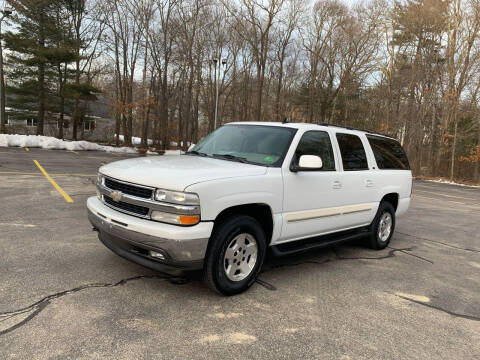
<point>302,246</point>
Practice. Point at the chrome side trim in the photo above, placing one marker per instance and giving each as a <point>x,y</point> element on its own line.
<point>327,212</point>
<point>313,217</point>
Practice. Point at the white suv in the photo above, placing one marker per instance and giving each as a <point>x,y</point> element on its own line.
<point>248,187</point>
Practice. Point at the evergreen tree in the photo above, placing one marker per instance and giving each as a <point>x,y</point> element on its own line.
<point>39,46</point>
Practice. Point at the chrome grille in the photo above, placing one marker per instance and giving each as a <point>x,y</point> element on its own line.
<point>133,190</point>
<point>130,208</point>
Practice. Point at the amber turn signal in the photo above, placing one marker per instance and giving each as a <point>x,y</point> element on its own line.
<point>189,220</point>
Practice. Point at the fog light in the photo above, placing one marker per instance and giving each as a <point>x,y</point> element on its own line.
<point>156,255</point>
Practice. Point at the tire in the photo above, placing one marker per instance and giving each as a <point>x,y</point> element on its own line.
<point>230,266</point>
<point>379,239</point>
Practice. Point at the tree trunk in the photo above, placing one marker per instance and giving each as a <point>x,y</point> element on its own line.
<point>77,101</point>
<point>260,82</point>
<point>477,162</point>
<point>278,114</point>
<point>145,104</point>
<point>454,149</point>
<point>41,99</point>
<point>3,115</point>
<point>164,110</point>
<point>61,117</point>
<point>117,128</point>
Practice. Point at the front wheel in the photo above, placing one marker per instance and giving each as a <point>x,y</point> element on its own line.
<point>235,256</point>
<point>382,227</point>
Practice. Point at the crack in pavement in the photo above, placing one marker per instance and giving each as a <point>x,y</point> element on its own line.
<point>37,307</point>
<point>411,254</point>
<point>439,242</point>
<point>391,254</point>
<point>435,307</point>
<point>266,285</point>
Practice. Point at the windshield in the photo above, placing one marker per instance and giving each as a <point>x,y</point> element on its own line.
<point>254,144</point>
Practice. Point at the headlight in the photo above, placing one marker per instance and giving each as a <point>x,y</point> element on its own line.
<point>176,197</point>
<point>100,179</point>
<point>175,218</point>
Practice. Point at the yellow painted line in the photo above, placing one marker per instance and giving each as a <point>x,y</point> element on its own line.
<point>27,149</point>
<point>73,152</point>
<point>442,194</point>
<point>36,173</point>
<point>67,198</point>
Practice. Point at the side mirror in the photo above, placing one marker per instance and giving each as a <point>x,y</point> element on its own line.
<point>191,147</point>
<point>307,163</point>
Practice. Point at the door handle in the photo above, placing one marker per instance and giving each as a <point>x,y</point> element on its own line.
<point>368,183</point>
<point>337,185</point>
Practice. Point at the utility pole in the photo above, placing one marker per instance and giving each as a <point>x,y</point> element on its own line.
<point>215,61</point>
<point>217,79</point>
<point>3,118</point>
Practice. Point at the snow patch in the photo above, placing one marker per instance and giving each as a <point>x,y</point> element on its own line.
<point>135,140</point>
<point>47,142</point>
<point>441,181</point>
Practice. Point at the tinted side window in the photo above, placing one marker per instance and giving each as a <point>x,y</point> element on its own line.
<point>388,153</point>
<point>353,153</point>
<point>317,143</point>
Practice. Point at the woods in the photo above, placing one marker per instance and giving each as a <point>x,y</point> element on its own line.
<point>407,68</point>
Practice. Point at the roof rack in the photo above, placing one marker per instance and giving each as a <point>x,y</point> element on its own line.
<point>357,129</point>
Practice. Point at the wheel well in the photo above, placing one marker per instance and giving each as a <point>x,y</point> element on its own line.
<point>260,212</point>
<point>392,199</point>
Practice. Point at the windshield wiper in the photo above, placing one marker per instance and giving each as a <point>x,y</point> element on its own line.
<point>194,152</point>
<point>231,157</point>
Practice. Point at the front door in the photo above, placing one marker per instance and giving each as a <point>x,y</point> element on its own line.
<point>312,198</point>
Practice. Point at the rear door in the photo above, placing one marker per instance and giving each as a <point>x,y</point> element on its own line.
<point>392,173</point>
<point>359,190</point>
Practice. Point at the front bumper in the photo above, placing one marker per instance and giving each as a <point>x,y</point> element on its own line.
<point>184,248</point>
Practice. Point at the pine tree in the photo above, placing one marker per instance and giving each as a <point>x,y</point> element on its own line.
<point>39,47</point>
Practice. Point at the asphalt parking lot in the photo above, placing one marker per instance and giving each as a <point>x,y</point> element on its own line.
<point>64,295</point>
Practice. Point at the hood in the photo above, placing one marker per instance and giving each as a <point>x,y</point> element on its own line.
<point>176,172</point>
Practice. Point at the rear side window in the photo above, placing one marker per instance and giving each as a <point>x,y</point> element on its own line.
<point>388,153</point>
<point>353,154</point>
<point>317,143</point>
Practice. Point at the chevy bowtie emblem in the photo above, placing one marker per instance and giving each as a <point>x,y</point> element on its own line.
<point>116,196</point>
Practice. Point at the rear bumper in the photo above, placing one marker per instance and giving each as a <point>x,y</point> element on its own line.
<point>183,248</point>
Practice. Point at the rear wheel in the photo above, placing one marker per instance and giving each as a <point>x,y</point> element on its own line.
<point>382,227</point>
<point>235,256</point>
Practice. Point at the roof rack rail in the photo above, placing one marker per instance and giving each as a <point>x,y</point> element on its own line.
<point>357,129</point>
<point>377,133</point>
